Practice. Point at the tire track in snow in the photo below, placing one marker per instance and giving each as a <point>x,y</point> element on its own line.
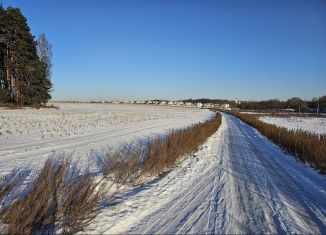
<point>164,220</point>
<point>282,198</point>
<point>192,205</point>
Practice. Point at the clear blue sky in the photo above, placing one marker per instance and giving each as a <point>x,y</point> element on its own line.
<point>181,49</point>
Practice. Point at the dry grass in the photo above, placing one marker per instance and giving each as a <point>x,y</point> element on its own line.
<point>123,165</point>
<point>308,147</point>
<point>58,197</point>
<point>163,152</point>
<point>7,185</point>
<point>127,164</point>
<point>34,106</point>
<point>79,202</point>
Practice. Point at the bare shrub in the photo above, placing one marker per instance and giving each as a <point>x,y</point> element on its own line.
<point>59,197</point>
<point>308,147</point>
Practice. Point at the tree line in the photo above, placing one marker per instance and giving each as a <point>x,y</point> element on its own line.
<point>25,63</point>
<point>294,104</point>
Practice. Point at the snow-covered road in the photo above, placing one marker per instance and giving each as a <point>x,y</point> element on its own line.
<point>238,182</point>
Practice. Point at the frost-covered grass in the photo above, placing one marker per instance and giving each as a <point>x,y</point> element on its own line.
<point>311,124</point>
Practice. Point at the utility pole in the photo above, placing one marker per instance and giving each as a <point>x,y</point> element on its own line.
<point>318,106</point>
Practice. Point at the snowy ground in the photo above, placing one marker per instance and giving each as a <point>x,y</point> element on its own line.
<point>29,136</point>
<point>238,182</point>
<point>311,124</point>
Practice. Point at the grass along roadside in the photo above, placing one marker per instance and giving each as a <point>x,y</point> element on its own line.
<point>63,197</point>
<point>307,147</point>
<point>32,106</point>
<point>129,163</point>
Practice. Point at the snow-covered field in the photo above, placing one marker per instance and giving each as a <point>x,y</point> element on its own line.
<point>311,124</point>
<point>29,136</point>
<point>238,182</point>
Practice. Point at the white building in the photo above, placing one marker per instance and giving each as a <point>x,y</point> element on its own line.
<point>207,105</point>
<point>199,105</point>
<point>225,107</point>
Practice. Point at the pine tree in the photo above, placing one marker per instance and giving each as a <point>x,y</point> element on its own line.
<point>4,93</point>
<point>24,75</point>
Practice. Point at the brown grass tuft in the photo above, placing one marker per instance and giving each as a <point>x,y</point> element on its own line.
<point>56,198</point>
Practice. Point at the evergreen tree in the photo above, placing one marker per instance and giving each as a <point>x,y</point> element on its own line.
<point>24,78</point>
<point>4,93</point>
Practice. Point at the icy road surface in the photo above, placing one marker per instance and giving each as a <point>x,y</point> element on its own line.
<point>238,182</point>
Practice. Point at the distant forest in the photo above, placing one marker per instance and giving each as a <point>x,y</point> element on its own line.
<point>295,104</point>
<point>25,63</point>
